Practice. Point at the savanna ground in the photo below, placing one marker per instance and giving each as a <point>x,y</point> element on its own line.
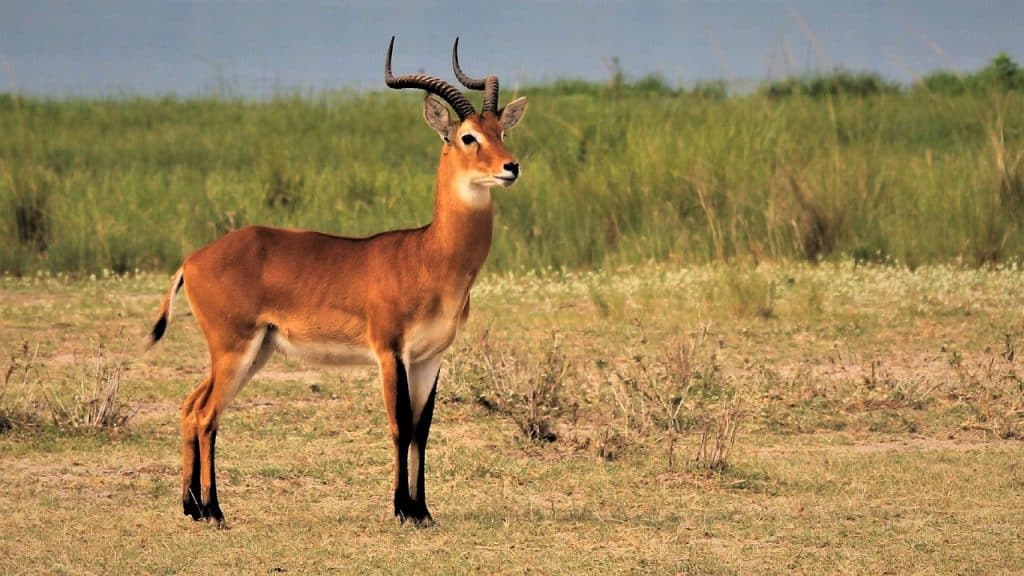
<point>783,419</point>
<point>706,404</point>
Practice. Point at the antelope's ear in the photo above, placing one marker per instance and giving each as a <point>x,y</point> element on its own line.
<point>437,117</point>
<point>512,113</point>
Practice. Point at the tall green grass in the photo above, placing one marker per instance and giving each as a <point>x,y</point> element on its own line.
<point>610,176</point>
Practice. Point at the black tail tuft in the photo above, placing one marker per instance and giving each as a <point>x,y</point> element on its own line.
<point>165,313</point>
<point>158,330</point>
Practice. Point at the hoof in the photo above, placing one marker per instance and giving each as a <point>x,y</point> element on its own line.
<point>218,523</point>
<point>210,513</point>
<point>415,512</point>
<point>425,522</point>
<point>191,508</point>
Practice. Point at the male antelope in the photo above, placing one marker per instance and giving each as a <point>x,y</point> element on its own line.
<point>396,298</point>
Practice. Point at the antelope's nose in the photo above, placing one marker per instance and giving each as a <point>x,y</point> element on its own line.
<point>512,167</point>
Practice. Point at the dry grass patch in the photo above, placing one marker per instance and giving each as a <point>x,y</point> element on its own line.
<point>832,435</point>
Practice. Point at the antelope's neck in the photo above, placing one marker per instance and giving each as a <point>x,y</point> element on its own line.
<point>460,232</point>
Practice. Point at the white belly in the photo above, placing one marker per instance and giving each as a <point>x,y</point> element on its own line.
<point>324,353</point>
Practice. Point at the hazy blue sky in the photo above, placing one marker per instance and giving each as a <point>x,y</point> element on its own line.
<point>108,47</point>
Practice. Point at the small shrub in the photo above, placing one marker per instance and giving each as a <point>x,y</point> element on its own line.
<point>1001,74</point>
<point>611,444</point>
<point>651,393</point>
<point>992,391</point>
<point>506,382</point>
<point>21,378</point>
<point>675,391</point>
<point>719,426</point>
<point>942,82</point>
<point>652,84</point>
<point>98,403</point>
<point>543,394</point>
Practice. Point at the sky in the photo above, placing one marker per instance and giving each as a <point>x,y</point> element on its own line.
<point>257,49</point>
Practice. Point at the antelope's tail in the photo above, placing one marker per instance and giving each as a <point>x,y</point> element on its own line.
<point>165,310</point>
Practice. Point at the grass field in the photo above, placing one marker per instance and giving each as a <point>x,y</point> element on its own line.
<point>786,419</point>
<point>611,177</point>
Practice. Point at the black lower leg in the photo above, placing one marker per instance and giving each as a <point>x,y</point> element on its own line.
<point>190,499</point>
<point>403,413</point>
<point>212,508</point>
<point>422,434</point>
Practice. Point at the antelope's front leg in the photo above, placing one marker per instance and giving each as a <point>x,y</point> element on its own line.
<point>395,386</point>
<point>409,398</point>
<point>422,389</point>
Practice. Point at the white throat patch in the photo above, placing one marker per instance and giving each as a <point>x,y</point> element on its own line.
<point>474,195</point>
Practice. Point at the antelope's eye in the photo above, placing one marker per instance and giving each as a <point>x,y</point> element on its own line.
<point>468,139</point>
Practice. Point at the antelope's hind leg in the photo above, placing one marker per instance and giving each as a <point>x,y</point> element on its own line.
<point>191,491</point>
<point>200,417</point>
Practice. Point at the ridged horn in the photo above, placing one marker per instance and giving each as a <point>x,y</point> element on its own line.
<point>489,84</point>
<point>463,107</point>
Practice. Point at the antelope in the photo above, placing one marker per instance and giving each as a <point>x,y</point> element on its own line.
<point>395,299</point>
